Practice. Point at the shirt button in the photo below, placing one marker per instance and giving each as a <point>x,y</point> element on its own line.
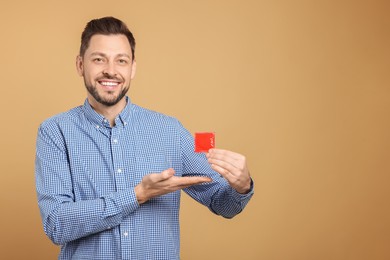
<point>119,171</point>
<point>97,126</point>
<point>115,141</point>
<point>125,234</point>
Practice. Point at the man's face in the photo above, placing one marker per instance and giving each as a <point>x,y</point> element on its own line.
<point>107,68</point>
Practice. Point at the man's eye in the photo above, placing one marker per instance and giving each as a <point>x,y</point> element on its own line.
<point>98,59</point>
<point>122,61</point>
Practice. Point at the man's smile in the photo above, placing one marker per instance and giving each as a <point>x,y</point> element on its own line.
<point>109,84</point>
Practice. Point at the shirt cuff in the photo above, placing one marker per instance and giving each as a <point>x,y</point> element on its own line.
<point>125,201</point>
<point>241,197</point>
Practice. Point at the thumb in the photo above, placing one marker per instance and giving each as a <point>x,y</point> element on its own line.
<point>166,174</point>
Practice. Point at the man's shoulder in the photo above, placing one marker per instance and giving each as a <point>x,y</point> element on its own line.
<point>62,118</point>
<point>146,114</point>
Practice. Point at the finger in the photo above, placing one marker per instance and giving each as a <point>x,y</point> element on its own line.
<point>221,153</point>
<point>222,171</point>
<point>239,182</point>
<point>195,180</point>
<point>164,175</point>
<point>183,182</point>
<point>228,160</point>
<point>237,161</point>
<point>225,167</point>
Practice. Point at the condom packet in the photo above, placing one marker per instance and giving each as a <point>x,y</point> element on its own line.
<point>204,141</point>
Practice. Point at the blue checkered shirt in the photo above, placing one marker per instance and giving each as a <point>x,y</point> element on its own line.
<point>86,172</point>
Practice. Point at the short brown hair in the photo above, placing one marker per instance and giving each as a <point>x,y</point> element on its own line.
<point>105,26</point>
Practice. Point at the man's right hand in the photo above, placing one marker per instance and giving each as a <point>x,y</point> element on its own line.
<point>157,184</point>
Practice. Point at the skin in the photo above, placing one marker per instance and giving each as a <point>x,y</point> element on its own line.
<point>108,59</point>
<point>107,69</point>
<point>232,166</point>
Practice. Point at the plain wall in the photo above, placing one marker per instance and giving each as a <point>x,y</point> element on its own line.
<point>301,88</point>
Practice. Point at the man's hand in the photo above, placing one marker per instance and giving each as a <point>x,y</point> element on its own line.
<point>157,184</point>
<point>232,166</point>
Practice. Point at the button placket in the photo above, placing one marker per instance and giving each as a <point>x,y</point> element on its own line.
<point>117,159</point>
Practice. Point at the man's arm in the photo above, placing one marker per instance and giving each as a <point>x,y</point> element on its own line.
<point>231,188</point>
<point>64,218</point>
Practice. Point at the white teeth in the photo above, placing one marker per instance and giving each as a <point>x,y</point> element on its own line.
<point>107,83</point>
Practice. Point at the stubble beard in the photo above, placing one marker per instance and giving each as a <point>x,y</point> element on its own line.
<point>106,101</point>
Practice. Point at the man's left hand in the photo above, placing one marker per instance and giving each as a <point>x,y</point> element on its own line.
<point>232,166</point>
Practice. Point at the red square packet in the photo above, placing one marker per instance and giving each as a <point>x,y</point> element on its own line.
<point>204,141</point>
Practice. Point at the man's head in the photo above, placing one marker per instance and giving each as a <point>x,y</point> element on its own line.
<point>105,26</point>
<point>106,61</point>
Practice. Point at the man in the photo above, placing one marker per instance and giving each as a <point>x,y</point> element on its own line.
<point>109,173</point>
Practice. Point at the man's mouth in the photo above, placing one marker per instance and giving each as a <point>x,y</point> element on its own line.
<point>109,84</point>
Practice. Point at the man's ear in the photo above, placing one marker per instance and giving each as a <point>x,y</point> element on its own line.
<point>133,69</point>
<point>79,65</point>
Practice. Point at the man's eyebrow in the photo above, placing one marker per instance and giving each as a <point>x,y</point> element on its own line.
<point>123,55</point>
<point>97,53</point>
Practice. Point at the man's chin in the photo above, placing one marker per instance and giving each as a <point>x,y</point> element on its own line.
<point>110,100</point>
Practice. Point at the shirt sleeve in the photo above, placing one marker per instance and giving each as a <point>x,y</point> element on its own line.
<point>218,195</point>
<point>65,219</point>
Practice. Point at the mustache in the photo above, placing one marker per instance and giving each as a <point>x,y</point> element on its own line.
<point>109,77</point>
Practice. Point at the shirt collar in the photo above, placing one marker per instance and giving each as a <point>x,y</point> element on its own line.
<point>99,121</point>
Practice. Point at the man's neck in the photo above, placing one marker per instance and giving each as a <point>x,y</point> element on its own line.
<point>109,112</point>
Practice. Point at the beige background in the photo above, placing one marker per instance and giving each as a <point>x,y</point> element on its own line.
<point>300,87</point>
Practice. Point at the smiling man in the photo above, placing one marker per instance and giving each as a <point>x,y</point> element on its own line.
<point>106,62</point>
<point>109,173</point>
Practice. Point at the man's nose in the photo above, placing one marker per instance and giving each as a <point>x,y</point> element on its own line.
<point>109,70</point>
